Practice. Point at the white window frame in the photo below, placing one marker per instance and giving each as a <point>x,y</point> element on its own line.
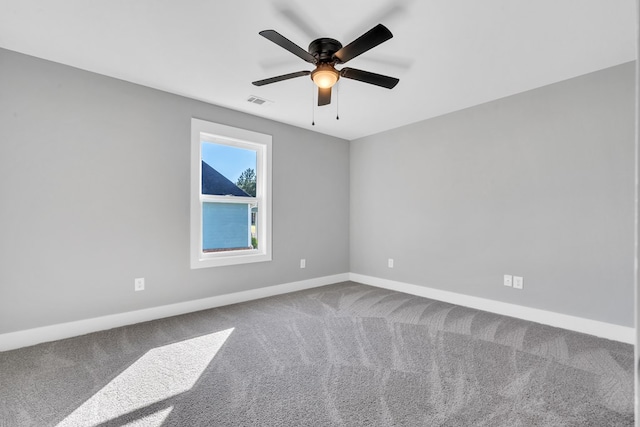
<point>202,130</point>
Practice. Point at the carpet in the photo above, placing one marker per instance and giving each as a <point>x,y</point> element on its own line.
<point>339,355</point>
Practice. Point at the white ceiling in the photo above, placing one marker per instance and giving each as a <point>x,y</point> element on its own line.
<point>448,54</point>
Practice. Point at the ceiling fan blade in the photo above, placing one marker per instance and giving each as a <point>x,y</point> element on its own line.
<point>368,40</point>
<point>369,77</point>
<point>281,78</point>
<point>324,96</point>
<point>285,43</point>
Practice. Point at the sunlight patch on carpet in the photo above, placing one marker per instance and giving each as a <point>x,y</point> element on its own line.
<point>158,375</point>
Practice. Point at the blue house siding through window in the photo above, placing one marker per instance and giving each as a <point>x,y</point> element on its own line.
<point>225,226</point>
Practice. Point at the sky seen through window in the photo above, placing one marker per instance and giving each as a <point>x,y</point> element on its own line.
<point>229,161</point>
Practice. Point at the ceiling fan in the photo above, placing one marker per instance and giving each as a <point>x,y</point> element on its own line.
<point>325,54</point>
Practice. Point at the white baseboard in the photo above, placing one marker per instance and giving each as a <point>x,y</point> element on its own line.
<point>610,331</point>
<point>13,340</point>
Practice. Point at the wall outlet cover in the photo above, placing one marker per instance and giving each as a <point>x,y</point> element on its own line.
<point>390,263</point>
<point>508,280</point>
<point>138,284</point>
<point>518,282</point>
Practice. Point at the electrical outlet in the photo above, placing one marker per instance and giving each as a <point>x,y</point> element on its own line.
<point>508,280</point>
<point>390,262</point>
<point>303,263</point>
<point>138,284</point>
<point>518,282</point>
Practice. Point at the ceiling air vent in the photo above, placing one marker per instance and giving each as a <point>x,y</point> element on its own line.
<point>257,100</point>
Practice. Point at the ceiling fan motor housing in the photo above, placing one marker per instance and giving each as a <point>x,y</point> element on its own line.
<point>324,48</point>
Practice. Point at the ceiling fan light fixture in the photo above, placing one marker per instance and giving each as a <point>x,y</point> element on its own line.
<point>325,76</point>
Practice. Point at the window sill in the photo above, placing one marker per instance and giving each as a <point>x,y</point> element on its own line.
<point>220,259</point>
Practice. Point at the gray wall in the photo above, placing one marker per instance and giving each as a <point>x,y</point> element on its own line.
<point>94,189</point>
<point>94,182</point>
<point>540,184</point>
<point>637,230</point>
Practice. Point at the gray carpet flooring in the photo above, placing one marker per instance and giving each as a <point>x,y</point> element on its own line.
<point>339,355</point>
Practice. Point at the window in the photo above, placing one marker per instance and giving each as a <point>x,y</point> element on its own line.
<point>230,195</point>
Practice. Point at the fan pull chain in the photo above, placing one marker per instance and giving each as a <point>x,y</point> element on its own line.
<point>338,101</point>
<point>313,109</point>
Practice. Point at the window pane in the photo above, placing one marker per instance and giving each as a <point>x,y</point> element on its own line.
<point>228,170</point>
<point>226,227</point>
